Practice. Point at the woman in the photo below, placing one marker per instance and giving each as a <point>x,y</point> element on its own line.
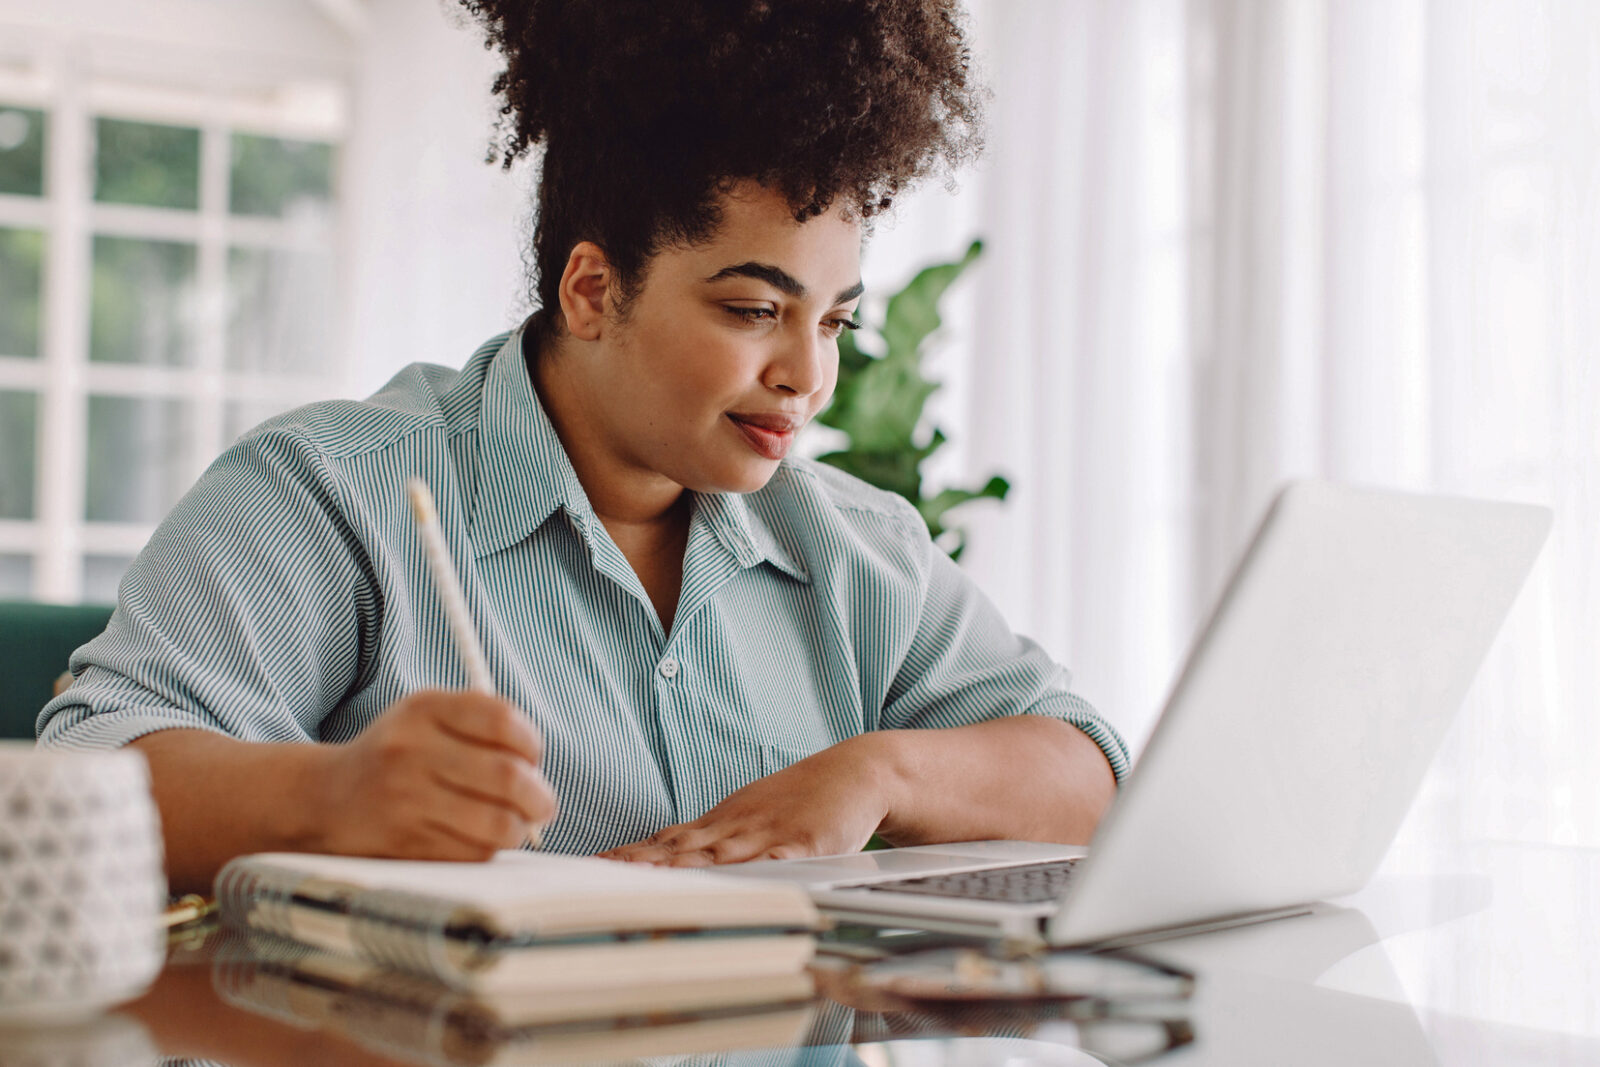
<point>706,651</point>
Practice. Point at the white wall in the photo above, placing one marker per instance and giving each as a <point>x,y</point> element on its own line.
<point>435,233</point>
<point>238,36</point>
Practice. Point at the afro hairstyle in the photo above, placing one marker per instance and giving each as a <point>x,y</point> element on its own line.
<point>647,112</point>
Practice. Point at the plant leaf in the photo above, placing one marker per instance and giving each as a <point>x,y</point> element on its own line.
<point>893,470</point>
<point>913,312</point>
<point>934,510</point>
<point>878,405</point>
<point>851,358</point>
<point>884,406</point>
<point>841,412</point>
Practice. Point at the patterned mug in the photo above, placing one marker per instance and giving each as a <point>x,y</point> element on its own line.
<point>81,882</point>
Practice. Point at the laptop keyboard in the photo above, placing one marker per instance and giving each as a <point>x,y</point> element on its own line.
<point>1034,883</point>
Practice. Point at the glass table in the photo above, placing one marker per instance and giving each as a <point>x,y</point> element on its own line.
<point>1492,957</point>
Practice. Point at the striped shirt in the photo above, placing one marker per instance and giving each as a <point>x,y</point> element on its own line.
<point>287,598</point>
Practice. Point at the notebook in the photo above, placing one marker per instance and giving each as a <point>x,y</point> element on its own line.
<point>524,921</point>
<point>1289,751</point>
<point>417,1021</point>
<point>294,970</point>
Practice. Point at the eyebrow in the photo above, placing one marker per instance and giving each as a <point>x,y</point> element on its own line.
<point>780,280</point>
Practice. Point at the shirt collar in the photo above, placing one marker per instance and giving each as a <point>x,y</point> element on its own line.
<point>524,475</point>
<point>747,533</point>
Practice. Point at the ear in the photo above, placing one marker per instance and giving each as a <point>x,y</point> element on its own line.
<point>584,285</point>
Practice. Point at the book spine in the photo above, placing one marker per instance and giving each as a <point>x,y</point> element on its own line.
<point>389,928</point>
<point>424,1028</point>
<point>258,988</point>
<point>253,896</point>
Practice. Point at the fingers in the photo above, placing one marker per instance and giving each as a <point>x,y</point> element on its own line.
<point>487,826</point>
<point>656,848</point>
<point>442,775</point>
<point>491,754</point>
<point>693,845</point>
<point>442,843</point>
<point>496,777</point>
<point>725,850</point>
<point>446,833</point>
<point>487,720</point>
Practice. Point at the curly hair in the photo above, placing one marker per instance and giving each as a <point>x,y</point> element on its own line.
<point>647,111</point>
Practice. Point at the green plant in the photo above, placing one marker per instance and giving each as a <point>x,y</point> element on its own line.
<point>879,402</point>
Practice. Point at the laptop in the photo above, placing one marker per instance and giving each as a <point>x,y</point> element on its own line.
<point>1289,751</point>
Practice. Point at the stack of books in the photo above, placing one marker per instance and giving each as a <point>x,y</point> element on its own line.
<point>530,955</point>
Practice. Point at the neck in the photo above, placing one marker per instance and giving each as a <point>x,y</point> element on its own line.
<point>624,494</point>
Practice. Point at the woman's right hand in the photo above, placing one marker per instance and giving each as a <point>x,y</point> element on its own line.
<point>441,775</point>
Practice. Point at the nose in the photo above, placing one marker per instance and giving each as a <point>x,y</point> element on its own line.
<point>800,365</point>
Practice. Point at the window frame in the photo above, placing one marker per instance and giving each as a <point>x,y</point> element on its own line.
<point>282,100</point>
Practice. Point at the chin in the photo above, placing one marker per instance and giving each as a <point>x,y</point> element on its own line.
<point>745,479</point>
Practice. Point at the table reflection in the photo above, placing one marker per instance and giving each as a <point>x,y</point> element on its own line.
<point>112,1041</point>
<point>222,1000</point>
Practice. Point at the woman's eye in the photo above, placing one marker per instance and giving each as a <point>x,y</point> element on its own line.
<point>832,327</point>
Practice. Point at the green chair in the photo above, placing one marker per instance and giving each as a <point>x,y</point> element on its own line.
<point>36,640</point>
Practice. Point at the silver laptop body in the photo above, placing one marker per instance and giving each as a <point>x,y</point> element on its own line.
<point>1290,748</point>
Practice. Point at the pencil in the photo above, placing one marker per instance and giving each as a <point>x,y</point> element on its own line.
<point>187,909</point>
<point>448,583</point>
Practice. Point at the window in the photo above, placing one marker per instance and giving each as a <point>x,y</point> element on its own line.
<point>168,278</point>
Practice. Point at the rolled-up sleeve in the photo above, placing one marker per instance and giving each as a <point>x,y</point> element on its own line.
<point>243,615</point>
<point>965,665</point>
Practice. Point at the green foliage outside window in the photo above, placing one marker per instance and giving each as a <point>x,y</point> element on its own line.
<point>21,151</point>
<point>879,403</point>
<point>146,164</point>
<point>137,457</point>
<point>271,173</point>
<point>139,294</point>
<point>19,414</point>
<point>21,277</point>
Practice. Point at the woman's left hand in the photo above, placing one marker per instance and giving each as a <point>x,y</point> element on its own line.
<point>828,803</point>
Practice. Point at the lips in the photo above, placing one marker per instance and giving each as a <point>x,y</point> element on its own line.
<point>769,434</point>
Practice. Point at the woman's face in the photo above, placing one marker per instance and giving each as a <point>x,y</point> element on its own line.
<point>731,346</point>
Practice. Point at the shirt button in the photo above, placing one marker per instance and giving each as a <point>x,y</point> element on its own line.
<point>668,668</point>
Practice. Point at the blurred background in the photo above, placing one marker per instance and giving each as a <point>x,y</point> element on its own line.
<point>1228,242</point>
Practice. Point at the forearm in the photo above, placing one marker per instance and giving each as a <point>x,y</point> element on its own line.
<point>220,798</point>
<point>1025,778</point>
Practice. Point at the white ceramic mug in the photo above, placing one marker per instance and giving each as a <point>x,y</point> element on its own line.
<point>81,882</point>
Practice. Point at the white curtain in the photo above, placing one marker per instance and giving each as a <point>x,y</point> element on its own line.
<point>1237,241</point>
<point>1079,381</point>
